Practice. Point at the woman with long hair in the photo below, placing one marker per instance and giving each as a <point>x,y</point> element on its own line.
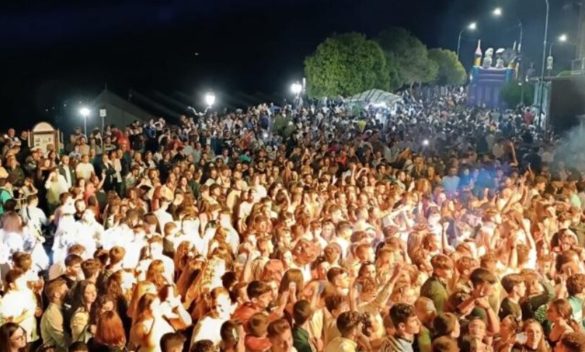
<point>148,325</point>
<point>559,314</point>
<point>535,339</point>
<point>84,297</point>
<point>109,335</point>
<point>12,338</point>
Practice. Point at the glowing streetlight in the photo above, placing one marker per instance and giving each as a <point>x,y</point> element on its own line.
<point>84,112</point>
<point>497,12</point>
<point>470,27</point>
<point>209,99</point>
<point>563,38</point>
<point>296,88</point>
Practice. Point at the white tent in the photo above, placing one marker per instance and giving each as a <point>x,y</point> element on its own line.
<point>375,97</point>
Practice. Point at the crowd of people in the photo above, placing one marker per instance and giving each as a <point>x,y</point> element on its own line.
<point>433,227</point>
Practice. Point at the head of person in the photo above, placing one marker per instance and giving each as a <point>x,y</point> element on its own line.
<point>56,291</point>
<point>203,346</point>
<point>571,342</point>
<point>535,339</point>
<point>559,309</point>
<point>482,281</point>
<point>349,323</point>
<point>220,302</point>
<point>172,342</point>
<point>12,337</point>
<point>78,346</point>
<point>280,336</point>
<point>425,310</point>
<point>404,319</point>
<point>230,334</point>
<point>73,266</point>
<point>339,278</point>
<point>110,330</point>
<point>442,266</point>
<point>514,284</point>
<point>259,293</point>
<point>302,312</point>
<point>15,280</point>
<point>444,344</point>
<point>447,324</point>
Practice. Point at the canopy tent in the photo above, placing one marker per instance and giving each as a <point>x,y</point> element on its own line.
<point>375,97</point>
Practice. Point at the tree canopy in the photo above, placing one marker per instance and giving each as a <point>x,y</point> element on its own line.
<point>450,69</point>
<point>346,64</point>
<point>409,57</point>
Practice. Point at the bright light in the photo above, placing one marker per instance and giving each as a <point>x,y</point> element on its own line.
<point>296,88</point>
<point>497,12</point>
<point>472,26</point>
<point>563,38</point>
<point>84,112</point>
<point>425,142</point>
<point>209,99</point>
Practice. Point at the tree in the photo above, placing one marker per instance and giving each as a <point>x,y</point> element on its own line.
<point>409,56</point>
<point>451,71</point>
<point>346,64</point>
<point>513,93</point>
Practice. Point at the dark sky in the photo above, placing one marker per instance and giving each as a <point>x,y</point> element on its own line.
<point>56,51</point>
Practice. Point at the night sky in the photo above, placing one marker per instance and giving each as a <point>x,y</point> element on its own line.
<point>65,51</point>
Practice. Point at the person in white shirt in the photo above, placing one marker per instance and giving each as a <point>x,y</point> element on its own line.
<point>55,186</point>
<point>84,169</point>
<point>19,304</point>
<point>209,327</point>
<point>161,213</point>
<point>33,217</point>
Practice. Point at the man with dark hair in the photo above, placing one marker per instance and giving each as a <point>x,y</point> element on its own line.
<point>349,324</point>
<point>203,346</point>
<point>302,312</point>
<point>478,302</point>
<point>280,336</point>
<point>73,270</point>
<point>515,288</point>
<point>260,296</point>
<point>172,342</point>
<point>406,325</point>
<point>435,287</point>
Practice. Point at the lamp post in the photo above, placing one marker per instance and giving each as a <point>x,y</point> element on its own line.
<point>84,112</point>
<point>544,44</point>
<point>470,27</point>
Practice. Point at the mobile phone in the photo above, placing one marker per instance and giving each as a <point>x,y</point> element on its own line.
<point>520,338</point>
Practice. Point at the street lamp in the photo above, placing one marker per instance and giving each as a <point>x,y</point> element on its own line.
<point>498,12</point>
<point>544,42</point>
<point>209,99</point>
<point>84,112</point>
<point>563,38</point>
<point>470,27</point>
<point>296,88</point>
